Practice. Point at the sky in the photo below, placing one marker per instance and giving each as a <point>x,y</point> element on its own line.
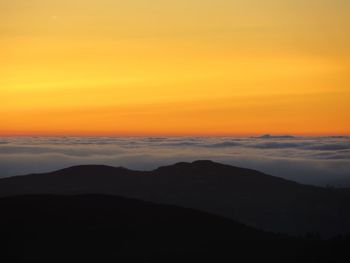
<point>318,161</point>
<point>175,67</point>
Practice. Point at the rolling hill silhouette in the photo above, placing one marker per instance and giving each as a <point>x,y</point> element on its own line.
<point>247,196</point>
<point>49,228</point>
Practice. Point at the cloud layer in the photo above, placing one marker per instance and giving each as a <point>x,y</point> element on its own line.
<point>312,160</point>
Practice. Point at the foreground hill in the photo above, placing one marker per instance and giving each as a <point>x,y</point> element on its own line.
<point>97,228</point>
<point>248,196</point>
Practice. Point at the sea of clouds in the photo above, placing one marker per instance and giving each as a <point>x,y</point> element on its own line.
<point>312,160</point>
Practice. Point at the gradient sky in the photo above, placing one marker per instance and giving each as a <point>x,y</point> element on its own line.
<point>176,67</point>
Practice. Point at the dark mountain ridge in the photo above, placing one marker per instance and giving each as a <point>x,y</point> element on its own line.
<point>245,195</point>
<point>99,228</point>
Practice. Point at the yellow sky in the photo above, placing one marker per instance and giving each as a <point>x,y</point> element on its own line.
<point>175,67</point>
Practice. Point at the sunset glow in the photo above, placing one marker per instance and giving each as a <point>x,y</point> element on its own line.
<point>184,67</point>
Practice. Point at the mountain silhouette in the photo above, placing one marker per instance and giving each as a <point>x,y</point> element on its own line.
<point>99,228</point>
<point>247,196</point>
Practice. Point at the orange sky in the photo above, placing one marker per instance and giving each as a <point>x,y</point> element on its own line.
<point>184,67</point>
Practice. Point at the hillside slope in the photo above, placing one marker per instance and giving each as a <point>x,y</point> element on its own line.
<point>247,196</point>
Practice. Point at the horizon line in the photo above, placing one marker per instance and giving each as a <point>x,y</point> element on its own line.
<point>176,135</point>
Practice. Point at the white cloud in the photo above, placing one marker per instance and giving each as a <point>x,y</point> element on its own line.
<point>318,161</point>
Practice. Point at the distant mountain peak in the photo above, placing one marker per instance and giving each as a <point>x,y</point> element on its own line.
<point>205,162</point>
<point>269,136</point>
<point>189,165</point>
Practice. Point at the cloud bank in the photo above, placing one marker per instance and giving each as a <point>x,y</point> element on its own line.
<point>319,161</point>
